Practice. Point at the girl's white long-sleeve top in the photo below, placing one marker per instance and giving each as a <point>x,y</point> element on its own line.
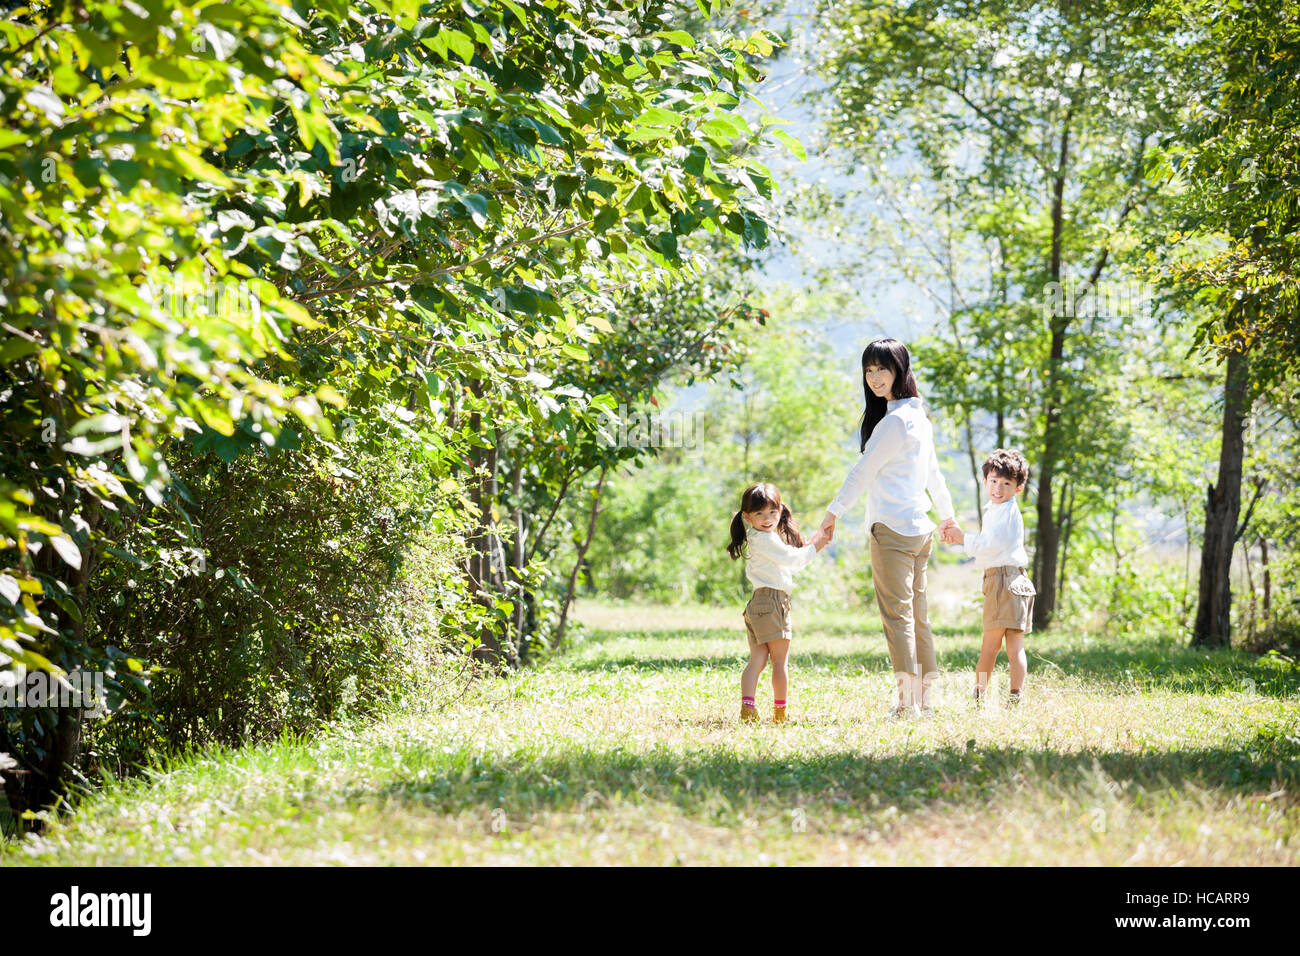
<point>896,469</point>
<point>1002,541</point>
<point>771,563</point>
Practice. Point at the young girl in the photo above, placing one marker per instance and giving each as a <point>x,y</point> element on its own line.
<point>774,550</point>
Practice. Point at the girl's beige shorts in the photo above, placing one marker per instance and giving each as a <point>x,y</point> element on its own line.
<point>767,616</point>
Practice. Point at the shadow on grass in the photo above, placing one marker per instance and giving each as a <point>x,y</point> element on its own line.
<point>596,637</point>
<point>1171,668</point>
<point>1113,667</point>
<point>840,782</point>
<point>855,662</point>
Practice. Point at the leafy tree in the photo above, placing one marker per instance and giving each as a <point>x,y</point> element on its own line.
<point>434,208</point>
<point>104,186</point>
<point>667,522</point>
<point>1235,248</point>
<point>1030,125</point>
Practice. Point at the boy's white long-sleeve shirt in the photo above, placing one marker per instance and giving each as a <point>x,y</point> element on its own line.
<point>771,563</point>
<point>899,466</point>
<point>1002,541</point>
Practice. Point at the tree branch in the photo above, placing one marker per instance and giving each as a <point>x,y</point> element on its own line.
<point>1260,485</point>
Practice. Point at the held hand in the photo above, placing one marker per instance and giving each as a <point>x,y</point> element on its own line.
<point>828,524</point>
<point>949,531</point>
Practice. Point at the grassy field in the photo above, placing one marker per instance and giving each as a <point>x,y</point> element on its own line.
<point>627,750</point>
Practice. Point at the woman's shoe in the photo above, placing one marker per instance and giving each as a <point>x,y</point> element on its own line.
<point>904,710</point>
<point>1014,697</point>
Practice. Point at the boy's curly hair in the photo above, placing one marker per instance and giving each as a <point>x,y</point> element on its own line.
<point>1008,463</point>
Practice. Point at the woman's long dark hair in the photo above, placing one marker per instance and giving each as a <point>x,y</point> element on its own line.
<point>757,498</point>
<point>893,354</point>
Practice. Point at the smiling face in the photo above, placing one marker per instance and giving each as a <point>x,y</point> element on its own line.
<point>880,379</point>
<point>1000,488</point>
<point>764,520</point>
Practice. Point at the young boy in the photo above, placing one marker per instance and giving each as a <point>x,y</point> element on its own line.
<point>999,550</point>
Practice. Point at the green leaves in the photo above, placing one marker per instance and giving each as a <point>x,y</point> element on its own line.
<point>133,319</point>
<point>447,42</point>
<point>678,37</point>
<point>196,168</point>
<point>790,142</point>
<point>213,217</point>
<point>1236,172</point>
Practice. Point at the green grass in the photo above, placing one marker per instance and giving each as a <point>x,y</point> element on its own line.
<point>628,750</point>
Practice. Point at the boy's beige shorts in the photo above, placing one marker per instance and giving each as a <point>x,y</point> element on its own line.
<point>1008,599</point>
<point>767,616</point>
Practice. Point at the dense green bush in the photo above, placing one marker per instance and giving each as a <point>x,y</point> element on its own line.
<point>295,590</point>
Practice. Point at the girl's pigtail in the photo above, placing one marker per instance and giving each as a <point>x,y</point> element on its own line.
<point>787,529</point>
<point>737,546</point>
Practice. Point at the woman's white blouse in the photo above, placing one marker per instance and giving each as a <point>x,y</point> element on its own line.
<point>1002,540</point>
<point>896,469</point>
<point>771,563</point>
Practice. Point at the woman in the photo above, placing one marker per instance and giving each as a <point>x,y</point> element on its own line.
<point>896,469</point>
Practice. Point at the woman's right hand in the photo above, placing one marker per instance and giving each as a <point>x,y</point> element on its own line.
<point>828,524</point>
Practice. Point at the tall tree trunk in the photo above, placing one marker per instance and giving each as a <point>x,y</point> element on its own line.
<point>1002,357</point>
<point>1250,589</point>
<point>1222,506</point>
<point>1065,522</point>
<point>582,553</point>
<point>748,435</point>
<point>1114,550</point>
<point>479,571</point>
<point>974,470</point>
<point>1187,560</point>
<point>1268,583</point>
<point>1047,534</point>
<point>517,557</point>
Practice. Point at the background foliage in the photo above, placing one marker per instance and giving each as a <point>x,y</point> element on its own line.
<point>301,302</point>
<point>326,328</point>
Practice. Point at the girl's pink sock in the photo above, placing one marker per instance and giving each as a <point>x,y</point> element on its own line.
<point>779,703</point>
<point>747,701</point>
